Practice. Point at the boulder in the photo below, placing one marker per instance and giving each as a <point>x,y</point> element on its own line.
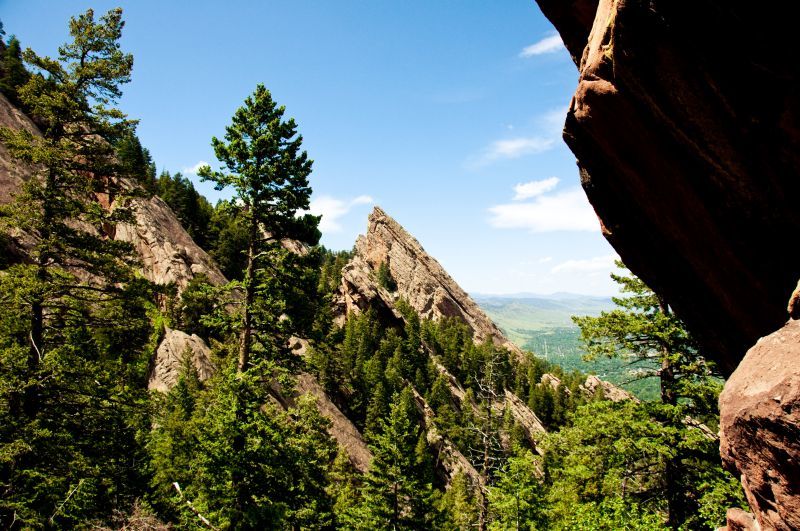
<point>170,358</point>
<point>760,427</point>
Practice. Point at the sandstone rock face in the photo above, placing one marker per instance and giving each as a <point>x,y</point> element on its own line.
<point>166,251</point>
<point>760,427</point>
<point>739,520</point>
<point>421,280</point>
<point>342,429</point>
<point>12,173</point>
<point>170,357</point>
<point>687,138</point>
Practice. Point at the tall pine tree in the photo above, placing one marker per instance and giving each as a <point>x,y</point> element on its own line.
<point>74,324</point>
<point>269,174</point>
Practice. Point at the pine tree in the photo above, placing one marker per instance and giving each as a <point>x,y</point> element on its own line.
<point>394,496</point>
<point>269,175</point>
<point>517,498</point>
<point>644,328</point>
<point>74,320</point>
<point>13,73</point>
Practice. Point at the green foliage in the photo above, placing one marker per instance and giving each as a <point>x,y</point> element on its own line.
<point>670,439</point>
<point>458,504</point>
<point>517,496</point>
<point>197,302</point>
<point>612,514</point>
<point>385,279</point>
<point>395,493</point>
<point>269,176</point>
<point>191,208</point>
<point>277,479</point>
<point>13,73</point>
<point>136,162</point>
<point>73,321</point>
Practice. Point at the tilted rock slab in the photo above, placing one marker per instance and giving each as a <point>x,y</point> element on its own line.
<point>12,172</point>
<point>421,280</point>
<point>342,429</point>
<point>760,427</point>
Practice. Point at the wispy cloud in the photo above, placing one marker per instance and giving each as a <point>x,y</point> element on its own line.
<point>512,148</point>
<point>194,169</point>
<point>549,44</point>
<point>546,132</point>
<point>534,188</point>
<point>597,264</point>
<point>553,120</point>
<point>333,209</point>
<point>568,210</point>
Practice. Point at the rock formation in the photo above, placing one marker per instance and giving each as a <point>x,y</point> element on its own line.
<point>610,391</point>
<point>688,150</point>
<point>170,357</point>
<point>166,251</point>
<point>342,429</point>
<point>420,279</point>
<point>686,127</point>
<point>12,173</point>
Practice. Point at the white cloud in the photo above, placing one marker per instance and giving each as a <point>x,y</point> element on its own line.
<point>549,44</point>
<point>332,210</point>
<point>534,188</point>
<point>547,130</point>
<point>545,259</point>
<point>514,148</point>
<point>597,264</point>
<point>563,211</point>
<point>194,169</point>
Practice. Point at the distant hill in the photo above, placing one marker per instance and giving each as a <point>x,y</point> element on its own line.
<point>543,325</point>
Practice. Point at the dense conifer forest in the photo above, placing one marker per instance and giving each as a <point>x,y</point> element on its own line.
<point>85,444</point>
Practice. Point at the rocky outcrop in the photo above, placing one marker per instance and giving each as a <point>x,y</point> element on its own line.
<point>171,356</point>
<point>760,427</point>
<point>593,385</point>
<point>739,520</point>
<point>166,252</point>
<point>342,429</point>
<point>420,280</point>
<point>12,173</point>
<point>687,137</point>
<point>449,459</point>
<point>417,278</point>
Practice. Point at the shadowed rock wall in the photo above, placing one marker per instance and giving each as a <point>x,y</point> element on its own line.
<point>686,127</point>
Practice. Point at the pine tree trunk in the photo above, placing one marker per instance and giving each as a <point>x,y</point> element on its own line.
<point>245,340</point>
<point>672,466</point>
<point>36,347</point>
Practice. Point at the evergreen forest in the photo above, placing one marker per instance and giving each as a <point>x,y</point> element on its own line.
<point>461,434</point>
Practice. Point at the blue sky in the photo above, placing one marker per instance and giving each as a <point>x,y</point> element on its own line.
<point>447,114</point>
